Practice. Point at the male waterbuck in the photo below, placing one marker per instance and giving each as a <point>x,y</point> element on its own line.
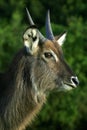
<point>38,68</point>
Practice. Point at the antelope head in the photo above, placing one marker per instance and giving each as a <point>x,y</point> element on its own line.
<point>50,70</point>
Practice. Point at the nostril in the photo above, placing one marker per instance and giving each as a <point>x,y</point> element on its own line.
<point>75,80</point>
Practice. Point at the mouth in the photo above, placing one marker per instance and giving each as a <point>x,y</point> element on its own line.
<point>72,85</point>
<point>67,86</point>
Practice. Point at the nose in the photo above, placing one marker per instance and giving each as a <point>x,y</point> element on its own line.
<point>75,81</point>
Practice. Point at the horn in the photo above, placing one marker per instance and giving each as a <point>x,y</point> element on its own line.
<point>49,33</point>
<point>42,38</point>
<point>30,19</point>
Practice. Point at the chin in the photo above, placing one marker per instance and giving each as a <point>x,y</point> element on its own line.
<point>65,87</point>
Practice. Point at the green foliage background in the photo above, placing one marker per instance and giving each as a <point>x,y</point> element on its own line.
<point>63,111</point>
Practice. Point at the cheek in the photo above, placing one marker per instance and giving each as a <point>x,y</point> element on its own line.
<point>54,67</point>
<point>57,72</point>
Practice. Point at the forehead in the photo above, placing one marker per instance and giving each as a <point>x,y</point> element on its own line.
<point>52,45</point>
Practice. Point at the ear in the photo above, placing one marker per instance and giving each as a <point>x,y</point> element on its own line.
<point>31,40</point>
<point>61,39</point>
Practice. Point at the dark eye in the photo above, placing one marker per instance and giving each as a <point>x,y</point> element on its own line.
<point>48,55</point>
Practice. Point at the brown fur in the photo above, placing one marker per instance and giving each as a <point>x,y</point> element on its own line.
<point>24,87</point>
<point>18,106</point>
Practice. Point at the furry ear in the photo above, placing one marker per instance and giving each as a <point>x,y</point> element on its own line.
<point>31,40</point>
<point>61,39</point>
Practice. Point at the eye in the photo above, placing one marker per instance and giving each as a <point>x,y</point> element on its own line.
<point>48,55</point>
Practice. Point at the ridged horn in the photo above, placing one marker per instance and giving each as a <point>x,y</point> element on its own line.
<point>42,38</point>
<point>49,33</point>
<point>30,19</point>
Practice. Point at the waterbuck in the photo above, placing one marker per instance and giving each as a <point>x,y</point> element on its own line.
<point>38,68</point>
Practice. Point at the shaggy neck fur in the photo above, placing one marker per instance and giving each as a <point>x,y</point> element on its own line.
<point>18,100</point>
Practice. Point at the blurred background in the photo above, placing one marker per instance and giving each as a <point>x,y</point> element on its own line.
<point>63,111</point>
